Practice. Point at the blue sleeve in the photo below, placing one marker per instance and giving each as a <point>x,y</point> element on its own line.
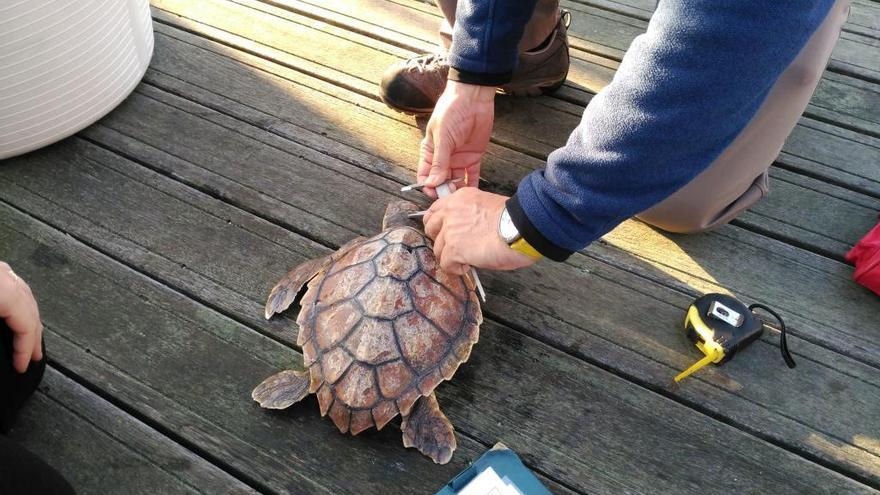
<point>684,90</point>
<point>485,38</point>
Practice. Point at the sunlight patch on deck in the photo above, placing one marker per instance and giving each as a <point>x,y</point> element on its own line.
<point>666,256</point>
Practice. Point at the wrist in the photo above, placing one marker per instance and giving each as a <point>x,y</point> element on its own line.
<point>471,92</point>
<point>510,235</point>
<point>478,78</point>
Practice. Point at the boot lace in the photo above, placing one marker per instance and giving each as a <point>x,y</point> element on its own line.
<point>427,63</point>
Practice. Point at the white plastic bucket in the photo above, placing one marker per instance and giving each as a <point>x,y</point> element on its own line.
<point>66,63</point>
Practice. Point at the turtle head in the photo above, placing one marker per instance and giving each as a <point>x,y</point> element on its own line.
<point>396,216</point>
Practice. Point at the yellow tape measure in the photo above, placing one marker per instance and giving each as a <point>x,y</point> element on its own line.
<point>720,326</point>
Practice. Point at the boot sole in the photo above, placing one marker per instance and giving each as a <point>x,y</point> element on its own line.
<point>534,90</point>
<point>413,112</point>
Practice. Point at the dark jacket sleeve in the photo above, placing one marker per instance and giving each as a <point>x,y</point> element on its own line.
<point>683,92</point>
<point>485,39</point>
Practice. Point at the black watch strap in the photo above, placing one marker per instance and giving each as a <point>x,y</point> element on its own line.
<point>532,235</point>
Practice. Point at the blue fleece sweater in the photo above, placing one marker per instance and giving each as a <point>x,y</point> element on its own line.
<point>684,91</point>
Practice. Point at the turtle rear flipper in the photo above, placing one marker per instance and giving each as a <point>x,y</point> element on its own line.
<point>429,430</point>
<point>282,390</point>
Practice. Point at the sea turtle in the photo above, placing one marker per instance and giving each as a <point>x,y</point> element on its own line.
<point>381,325</point>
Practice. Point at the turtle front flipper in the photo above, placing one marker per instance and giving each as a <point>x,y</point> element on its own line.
<point>282,390</point>
<point>429,430</point>
<point>289,287</point>
<point>286,290</point>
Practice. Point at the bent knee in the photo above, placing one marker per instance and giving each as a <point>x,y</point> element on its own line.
<point>803,75</point>
<point>682,216</point>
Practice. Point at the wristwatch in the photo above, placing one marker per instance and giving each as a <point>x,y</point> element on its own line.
<point>510,234</point>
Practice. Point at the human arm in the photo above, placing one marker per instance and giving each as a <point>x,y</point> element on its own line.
<point>18,309</point>
<point>682,94</point>
<point>482,56</point>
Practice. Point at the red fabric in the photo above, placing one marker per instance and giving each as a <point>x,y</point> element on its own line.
<point>866,256</point>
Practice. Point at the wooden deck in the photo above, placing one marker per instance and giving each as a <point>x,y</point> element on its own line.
<point>257,140</point>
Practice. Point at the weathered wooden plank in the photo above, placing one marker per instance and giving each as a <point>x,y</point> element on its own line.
<point>759,269</point>
<point>626,425</point>
<point>101,449</point>
<point>552,131</point>
<point>835,155</point>
<point>569,289</point>
<point>847,102</point>
<point>809,213</point>
<point>857,55</point>
<point>864,18</point>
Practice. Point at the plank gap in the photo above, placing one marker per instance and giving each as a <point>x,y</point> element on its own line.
<point>788,239</point>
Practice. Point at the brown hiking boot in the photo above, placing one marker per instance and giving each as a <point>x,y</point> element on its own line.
<point>544,69</point>
<point>414,86</point>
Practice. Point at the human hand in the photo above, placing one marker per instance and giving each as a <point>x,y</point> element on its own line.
<point>19,309</point>
<point>464,226</point>
<point>457,135</point>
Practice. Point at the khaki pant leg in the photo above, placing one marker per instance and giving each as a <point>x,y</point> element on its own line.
<point>540,26</point>
<point>737,179</point>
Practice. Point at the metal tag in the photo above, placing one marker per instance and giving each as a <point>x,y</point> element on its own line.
<point>725,314</point>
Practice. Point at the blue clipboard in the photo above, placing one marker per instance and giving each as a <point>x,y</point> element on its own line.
<point>504,462</point>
